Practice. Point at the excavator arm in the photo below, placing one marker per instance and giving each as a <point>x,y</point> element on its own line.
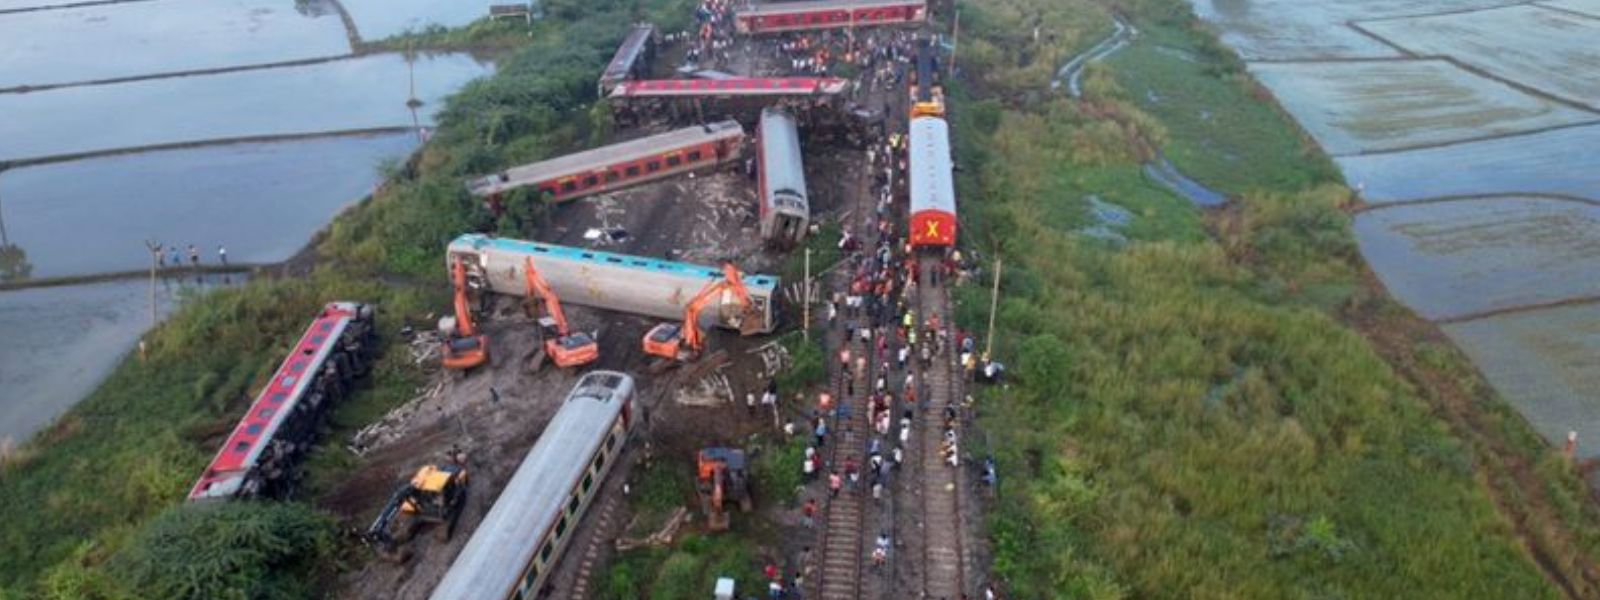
<point>458,276</point>
<point>731,281</point>
<point>539,290</point>
<point>566,348</point>
<point>466,348</point>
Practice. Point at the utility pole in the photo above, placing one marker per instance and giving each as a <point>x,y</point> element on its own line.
<point>4,241</point>
<point>955,39</point>
<point>155,253</point>
<point>805,324</point>
<point>994,303</point>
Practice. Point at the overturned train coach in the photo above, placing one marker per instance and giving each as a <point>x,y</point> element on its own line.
<point>261,456</point>
<point>785,209</point>
<point>604,280</point>
<point>619,165</point>
<point>778,17</point>
<point>514,550</point>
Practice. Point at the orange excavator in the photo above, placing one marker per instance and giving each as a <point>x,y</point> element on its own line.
<point>464,348</point>
<point>683,342</point>
<point>567,349</point>
<point>721,478</point>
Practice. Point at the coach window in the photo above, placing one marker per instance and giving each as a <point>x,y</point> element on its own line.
<point>561,528</point>
<point>653,166</point>
<point>544,554</point>
<point>611,176</point>
<point>611,441</point>
<point>599,462</point>
<point>590,181</point>
<point>568,186</point>
<point>673,160</point>
<point>572,505</point>
<point>588,482</point>
<point>633,170</point>
<point>694,156</point>
<point>527,582</point>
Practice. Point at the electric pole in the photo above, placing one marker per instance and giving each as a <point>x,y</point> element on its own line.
<point>805,319</point>
<point>155,255</point>
<point>994,303</point>
<point>955,39</point>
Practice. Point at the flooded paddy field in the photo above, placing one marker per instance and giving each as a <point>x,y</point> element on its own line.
<point>1475,137</point>
<point>1543,363</point>
<point>1458,258</point>
<point>1356,107</point>
<point>379,19</point>
<point>15,6</point>
<point>1587,7</point>
<point>61,341</point>
<point>1553,51</point>
<point>111,41</point>
<point>344,95</point>
<point>260,200</point>
<point>1301,30</point>
<point>1560,162</point>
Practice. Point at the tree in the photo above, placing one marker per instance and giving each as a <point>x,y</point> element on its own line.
<point>14,265</point>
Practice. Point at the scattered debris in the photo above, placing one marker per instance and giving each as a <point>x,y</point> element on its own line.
<point>393,425</point>
<point>662,537</point>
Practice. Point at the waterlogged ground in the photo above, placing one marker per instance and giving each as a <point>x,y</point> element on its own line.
<point>1587,7</point>
<point>1543,363</point>
<point>1563,162</point>
<point>61,341</point>
<point>379,19</point>
<point>1453,259</point>
<point>344,95</point>
<point>143,38</point>
<point>1550,50</point>
<point>1354,107</point>
<point>244,123</point>
<point>1302,29</point>
<point>261,201</point>
<point>1482,114</point>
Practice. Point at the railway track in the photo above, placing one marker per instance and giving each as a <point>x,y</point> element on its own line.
<point>942,565</point>
<point>840,573</point>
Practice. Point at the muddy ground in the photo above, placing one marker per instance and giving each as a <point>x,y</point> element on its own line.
<point>708,218</point>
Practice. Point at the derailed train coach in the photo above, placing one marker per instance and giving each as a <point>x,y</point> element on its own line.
<point>785,208</point>
<point>778,17</point>
<point>619,165</point>
<point>933,196</point>
<point>515,549</point>
<point>261,457</point>
<point>605,280</point>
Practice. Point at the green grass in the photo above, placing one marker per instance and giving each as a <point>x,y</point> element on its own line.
<point>687,570</point>
<point>1219,134</point>
<point>1188,418</point>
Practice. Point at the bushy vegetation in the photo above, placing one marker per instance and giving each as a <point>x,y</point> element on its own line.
<point>1188,415</point>
<point>239,550</point>
<point>687,570</point>
<point>94,483</point>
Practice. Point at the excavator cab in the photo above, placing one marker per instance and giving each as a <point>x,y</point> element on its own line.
<point>665,340</point>
<point>436,495</point>
<point>721,475</point>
